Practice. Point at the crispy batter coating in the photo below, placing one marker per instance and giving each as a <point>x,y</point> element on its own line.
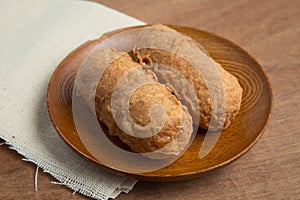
<point>175,133</point>
<point>155,59</point>
<point>233,91</point>
<point>177,129</point>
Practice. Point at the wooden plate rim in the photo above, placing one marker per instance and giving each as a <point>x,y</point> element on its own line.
<point>163,178</point>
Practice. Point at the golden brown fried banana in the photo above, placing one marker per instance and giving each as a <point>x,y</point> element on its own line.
<point>169,131</point>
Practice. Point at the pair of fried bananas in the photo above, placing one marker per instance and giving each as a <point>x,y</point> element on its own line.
<point>140,101</point>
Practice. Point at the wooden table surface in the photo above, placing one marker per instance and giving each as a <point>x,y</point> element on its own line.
<point>270,31</point>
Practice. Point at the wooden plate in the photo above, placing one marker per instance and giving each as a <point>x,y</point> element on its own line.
<point>242,134</point>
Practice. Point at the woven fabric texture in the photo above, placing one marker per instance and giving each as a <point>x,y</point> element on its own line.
<point>35,36</point>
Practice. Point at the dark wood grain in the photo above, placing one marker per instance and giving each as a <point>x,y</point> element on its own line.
<point>270,31</point>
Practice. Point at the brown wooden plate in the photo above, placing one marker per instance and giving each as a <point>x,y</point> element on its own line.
<point>242,134</point>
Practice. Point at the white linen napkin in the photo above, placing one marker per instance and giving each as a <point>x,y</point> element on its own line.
<point>35,36</point>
